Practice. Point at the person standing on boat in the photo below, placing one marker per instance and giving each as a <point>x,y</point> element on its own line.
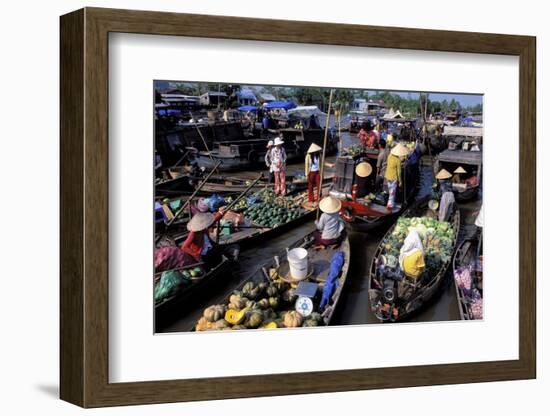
<point>393,172</point>
<point>312,167</point>
<point>367,135</point>
<point>267,159</point>
<point>330,225</point>
<point>278,163</point>
<point>198,244</point>
<point>411,256</point>
<point>381,163</point>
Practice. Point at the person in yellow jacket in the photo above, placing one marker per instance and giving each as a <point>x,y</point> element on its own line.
<point>393,172</point>
<point>411,256</point>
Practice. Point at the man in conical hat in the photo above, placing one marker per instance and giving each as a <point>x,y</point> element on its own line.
<point>393,172</point>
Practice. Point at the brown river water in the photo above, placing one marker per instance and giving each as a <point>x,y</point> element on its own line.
<point>353,307</point>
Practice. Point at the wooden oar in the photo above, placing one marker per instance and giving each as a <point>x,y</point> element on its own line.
<point>322,172</point>
<point>179,211</point>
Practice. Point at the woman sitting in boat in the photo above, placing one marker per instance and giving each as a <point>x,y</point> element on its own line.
<point>411,256</point>
<point>457,175</point>
<point>329,226</point>
<point>198,245</point>
<point>443,182</point>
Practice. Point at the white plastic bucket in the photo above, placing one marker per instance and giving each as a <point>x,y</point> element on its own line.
<point>297,261</point>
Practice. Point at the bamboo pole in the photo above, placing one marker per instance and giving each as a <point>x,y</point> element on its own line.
<point>179,211</point>
<point>322,167</point>
<point>204,142</point>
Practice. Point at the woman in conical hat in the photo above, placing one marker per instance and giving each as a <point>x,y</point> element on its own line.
<point>457,174</point>
<point>198,244</point>
<point>312,171</point>
<point>363,179</point>
<point>444,184</point>
<point>330,225</point>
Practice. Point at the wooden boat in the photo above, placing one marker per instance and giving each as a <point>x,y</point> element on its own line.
<point>186,184</point>
<point>276,272</point>
<point>251,231</point>
<point>414,295</point>
<point>169,309</point>
<point>368,213</point>
<point>471,161</point>
<point>468,256</point>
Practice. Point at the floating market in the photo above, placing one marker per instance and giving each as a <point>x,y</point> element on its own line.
<point>280,207</point>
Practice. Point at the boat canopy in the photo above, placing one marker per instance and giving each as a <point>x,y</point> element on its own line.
<point>305,111</point>
<point>287,105</point>
<point>248,108</point>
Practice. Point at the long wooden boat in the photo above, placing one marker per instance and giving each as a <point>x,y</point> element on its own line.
<point>408,296</point>
<point>275,273</point>
<point>252,230</point>
<point>171,308</point>
<point>467,257</point>
<point>186,184</point>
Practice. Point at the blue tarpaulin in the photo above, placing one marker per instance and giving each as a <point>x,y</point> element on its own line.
<point>287,105</point>
<point>248,108</point>
<point>331,283</point>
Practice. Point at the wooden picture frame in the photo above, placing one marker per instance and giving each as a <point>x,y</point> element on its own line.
<point>84,207</point>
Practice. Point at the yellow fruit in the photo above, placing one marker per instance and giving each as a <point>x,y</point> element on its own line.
<point>235,317</point>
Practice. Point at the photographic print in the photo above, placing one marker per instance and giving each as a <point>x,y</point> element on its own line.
<point>293,206</point>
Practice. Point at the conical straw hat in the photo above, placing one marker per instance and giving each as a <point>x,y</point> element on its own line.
<point>330,205</point>
<point>363,169</point>
<point>443,174</point>
<point>314,148</point>
<point>460,169</point>
<point>399,150</point>
<point>200,221</point>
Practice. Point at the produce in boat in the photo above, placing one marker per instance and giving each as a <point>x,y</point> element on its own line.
<point>267,301</point>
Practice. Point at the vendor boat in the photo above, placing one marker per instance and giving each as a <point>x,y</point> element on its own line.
<point>393,296</point>
<point>271,292</point>
<point>468,278</point>
<point>368,212</point>
<point>245,226</point>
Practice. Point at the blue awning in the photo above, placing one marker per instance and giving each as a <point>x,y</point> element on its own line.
<point>246,94</point>
<point>287,105</point>
<point>248,108</point>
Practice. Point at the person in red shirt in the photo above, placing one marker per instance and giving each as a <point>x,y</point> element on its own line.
<point>367,135</point>
<point>198,244</point>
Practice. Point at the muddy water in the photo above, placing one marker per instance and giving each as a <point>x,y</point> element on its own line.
<point>353,307</point>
